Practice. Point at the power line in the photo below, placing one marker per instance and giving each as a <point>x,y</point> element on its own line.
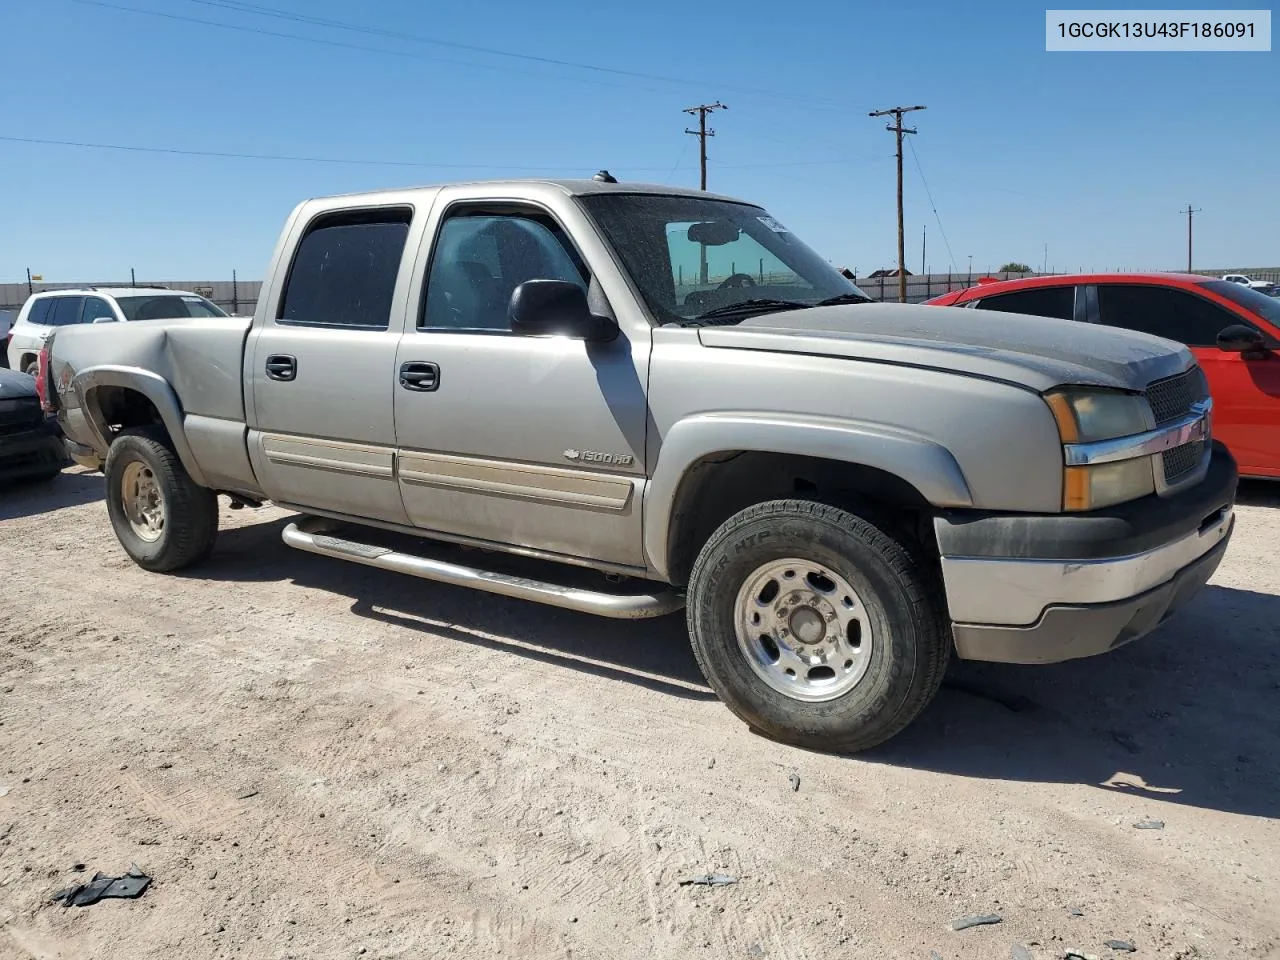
<point>351,161</point>
<point>818,103</point>
<point>928,193</point>
<point>242,6</point>
<point>899,130</point>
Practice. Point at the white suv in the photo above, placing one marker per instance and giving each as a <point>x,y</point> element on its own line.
<point>59,308</point>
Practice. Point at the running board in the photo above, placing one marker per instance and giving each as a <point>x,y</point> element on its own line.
<point>308,535</point>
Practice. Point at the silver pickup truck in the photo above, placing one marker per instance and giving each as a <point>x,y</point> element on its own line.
<point>667,400</point>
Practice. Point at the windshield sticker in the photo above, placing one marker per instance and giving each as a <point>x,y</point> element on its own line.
<point>773,224</point>
<point>193,300</point>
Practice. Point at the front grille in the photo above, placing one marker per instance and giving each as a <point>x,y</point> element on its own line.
<point>1172,398</point>
<point>1181,461</point>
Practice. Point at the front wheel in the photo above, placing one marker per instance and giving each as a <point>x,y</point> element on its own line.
<point>817,626</point>
<point>162,518</point>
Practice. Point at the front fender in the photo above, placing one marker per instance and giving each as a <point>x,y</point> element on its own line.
<point>926,465</point>
<point>152,386</point>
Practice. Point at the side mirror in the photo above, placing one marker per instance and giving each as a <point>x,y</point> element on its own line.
<point>1238,338</point>
<point>545,308</point>
<point>104,319</point>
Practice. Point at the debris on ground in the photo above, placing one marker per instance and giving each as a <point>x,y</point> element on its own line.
<point>1126,741</point>
<point>1076,912</point>
<point>129,886</point>
<point>246,793</point>
<point>1124,946</point>
<point>1019,952</point>
<point>977,920</point>
<point>934,955</point>
<point>709,880</point>
<point>1149,824</point>
<point>794,780</point>
<point>1074,954</point>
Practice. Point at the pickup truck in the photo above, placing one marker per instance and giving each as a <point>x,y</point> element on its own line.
<point>667,400</point>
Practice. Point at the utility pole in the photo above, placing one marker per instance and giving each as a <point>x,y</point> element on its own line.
<point>898,129</point>
<point>1190,213</point>
<point>703,132</point>
<point>30,289</point>
<point>924,246</point>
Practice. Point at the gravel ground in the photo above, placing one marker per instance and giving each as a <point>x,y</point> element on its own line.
<point>317,760</point>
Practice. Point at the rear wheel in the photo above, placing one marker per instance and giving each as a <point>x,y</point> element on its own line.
<point>162,518</point>
<point>32,368</point>
<point>816,625</point>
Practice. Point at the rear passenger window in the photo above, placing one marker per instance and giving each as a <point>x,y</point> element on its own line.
<point>40,310</point>
<point>344,270</point>
<point>1041,302</point>
<point>66,311</point>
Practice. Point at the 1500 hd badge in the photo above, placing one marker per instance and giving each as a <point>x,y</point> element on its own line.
<point>595,456</point>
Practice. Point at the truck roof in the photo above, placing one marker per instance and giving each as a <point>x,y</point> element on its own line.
<point>571,187</point>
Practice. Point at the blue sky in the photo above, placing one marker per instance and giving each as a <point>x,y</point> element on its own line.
<point>1093,154</point>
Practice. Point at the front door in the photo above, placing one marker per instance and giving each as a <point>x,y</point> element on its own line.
<point>1245,387</point>
<point>322,368</point>
<point>529,441</point>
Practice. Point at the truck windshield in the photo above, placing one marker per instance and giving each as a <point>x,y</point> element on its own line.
<point>167,307</point>
<point>694,259</point>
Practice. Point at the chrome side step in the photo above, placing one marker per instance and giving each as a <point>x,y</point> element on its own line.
<point>308,534</point>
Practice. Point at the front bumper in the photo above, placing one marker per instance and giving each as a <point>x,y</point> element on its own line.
<point>1041,589</point>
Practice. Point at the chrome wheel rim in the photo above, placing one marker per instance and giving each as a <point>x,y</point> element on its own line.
<point>143,501</point>
<point>803,629</point>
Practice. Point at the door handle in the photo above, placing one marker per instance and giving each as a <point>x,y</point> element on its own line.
<point>419,375</point>
<point>281,366</point>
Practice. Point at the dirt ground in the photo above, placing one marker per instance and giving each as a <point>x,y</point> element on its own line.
<point>317,760</point>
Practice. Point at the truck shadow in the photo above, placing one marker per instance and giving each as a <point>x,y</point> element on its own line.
<point>1186,715</point>
<point>1258,493</point>
<point>71,488</point>
<point>654,654</point>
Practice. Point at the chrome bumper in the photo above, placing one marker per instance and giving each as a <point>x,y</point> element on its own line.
<point>1047,611</point>
<point>1017,592</point>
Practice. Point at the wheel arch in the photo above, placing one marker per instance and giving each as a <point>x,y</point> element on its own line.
<point>138,396</point>
<point>714,465</point>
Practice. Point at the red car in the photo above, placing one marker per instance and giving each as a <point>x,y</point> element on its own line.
<point>1233,331</point>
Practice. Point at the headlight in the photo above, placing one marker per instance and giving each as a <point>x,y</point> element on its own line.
<point>1088,416</point>
<point>1091,416</point>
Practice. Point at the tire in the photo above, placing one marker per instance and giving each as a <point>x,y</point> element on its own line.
<point>876,614</point>
<point>187,513</point>
<point>32,368</point>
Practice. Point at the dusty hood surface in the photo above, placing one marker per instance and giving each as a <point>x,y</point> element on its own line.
<point>1035,352</point>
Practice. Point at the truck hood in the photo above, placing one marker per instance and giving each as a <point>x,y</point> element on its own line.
<point>1035,352</point>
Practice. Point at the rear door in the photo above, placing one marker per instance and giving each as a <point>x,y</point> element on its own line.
<point>320,365</point>
<point>1245,388</point>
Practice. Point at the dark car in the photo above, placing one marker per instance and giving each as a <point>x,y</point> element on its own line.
<point>30,445</point>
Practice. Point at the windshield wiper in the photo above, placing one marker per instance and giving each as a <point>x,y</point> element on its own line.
<point>843,298</point>
<point>754,305</point>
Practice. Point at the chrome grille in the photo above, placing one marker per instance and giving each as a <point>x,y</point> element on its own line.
<point>1171,398</point>
<point>1181,461</point>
